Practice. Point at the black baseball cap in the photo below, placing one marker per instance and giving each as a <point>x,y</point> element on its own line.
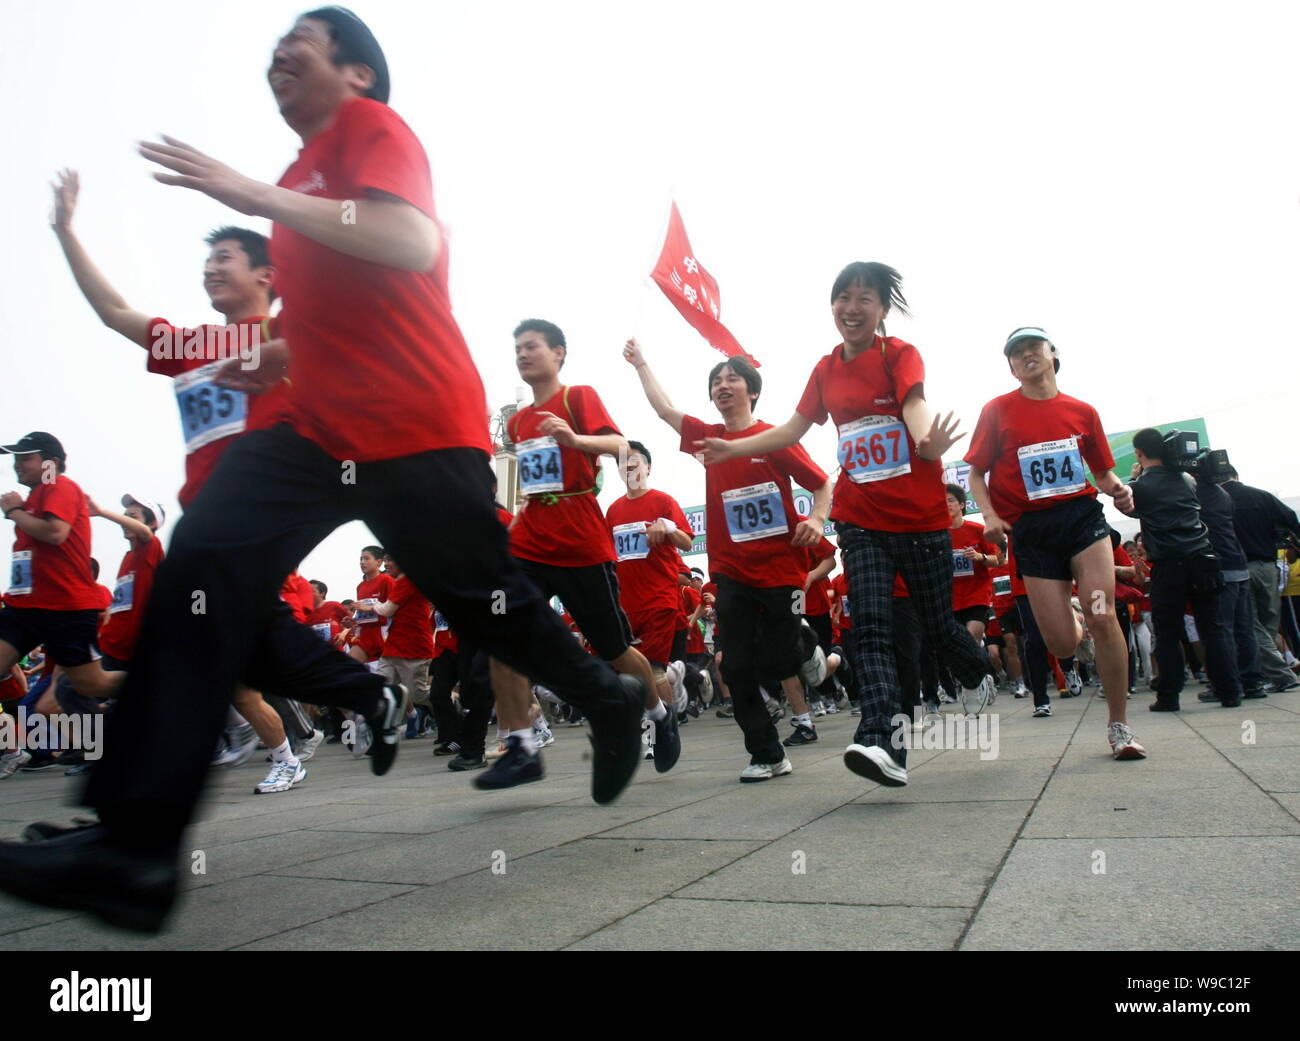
<point>37,441</point>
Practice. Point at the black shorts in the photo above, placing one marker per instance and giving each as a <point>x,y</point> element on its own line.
<point>821,625</point>
<point>1047,540</point>
<point>994,641</point>
<point>590,595</point>
<point>678,652</point>
<point>1010,621</point>
<point>764,631</point>
<point>979,613</point>
<point>68,636</point>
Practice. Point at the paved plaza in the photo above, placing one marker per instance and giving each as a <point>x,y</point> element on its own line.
<point>1050,846</point>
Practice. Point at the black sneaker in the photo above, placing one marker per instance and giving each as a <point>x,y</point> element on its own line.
<point>447,748</point>
<point>1254,692</point>
<point>514,768</point>
<point>1160,705</point>
<point>668,741</point>
<point>1230,702</point>
<point>1207,696</point>
<point>803,735</point>
<point>41,761</point>
<point>616,744</point>
<point>387,719</point>
<point>467,762</point>
<point>42,830</point>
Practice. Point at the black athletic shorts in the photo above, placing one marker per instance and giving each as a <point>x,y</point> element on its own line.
<point>69,636</point>
<point>979,613</point>
<point>1010,621</point>
<point>590,595</point>
<point>1045,541</point>
<point>678,652</point>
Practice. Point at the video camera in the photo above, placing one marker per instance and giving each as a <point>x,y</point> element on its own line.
<point>1181,449</point>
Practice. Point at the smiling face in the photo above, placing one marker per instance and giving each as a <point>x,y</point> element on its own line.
<point>858,312</point>
<point>729,392</point>
<point>1031,360</point>
<point>28,469</point>
<point>307,85</point>
<point>231,282</point>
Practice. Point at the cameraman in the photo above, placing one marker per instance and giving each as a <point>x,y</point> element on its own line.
<point>1258,518</point>
<point>1184,568</point>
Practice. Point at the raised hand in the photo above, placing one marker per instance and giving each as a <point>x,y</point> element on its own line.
<point>193,169</point>
<point>632,352</point>
<point>66,190</point>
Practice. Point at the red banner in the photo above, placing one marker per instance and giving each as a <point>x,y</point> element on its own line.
<point>692,290</point>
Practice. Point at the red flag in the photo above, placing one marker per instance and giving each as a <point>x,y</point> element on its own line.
<point>692,290</point>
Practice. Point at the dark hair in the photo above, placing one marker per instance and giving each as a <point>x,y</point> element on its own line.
<point>881,277</point>
<point>94,568</point>
<point>149,518</point>
<point>320,586</point>
<point>1150,442</point>
<point>553,334</point>
<point>639,449</point>
<point>1114,538</point>
<point>375,551</point>
<point>957,492</point>
<point>743,368</point>
<point>346,603</point>
<point>355,44</point>
<point>255,245</point>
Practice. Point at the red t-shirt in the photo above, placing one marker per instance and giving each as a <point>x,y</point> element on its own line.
<point>647,575</point>
<point>972,582</point>
<point>1002,580</point>
<point>372,346</point>
<point>409,632</point>
<point>1017,580</point>
<point>370,626</point>
<point>329,611</point>
<point>134,583</point>
<point>298,593</point>
<point>445,640</point>
<point>211,416</point>
<point>840,588</point>
<point>56,578</point>
<point>883,484</point>
<point>691,598</point>
<point>749,511</point>
<point>568,531</point>
<point>1034,451</point>
<point>817,602</point>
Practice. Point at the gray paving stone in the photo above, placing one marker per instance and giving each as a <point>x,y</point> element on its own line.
<point>1273,769</point>
<point>1156,894</point>
<point>674,924</point>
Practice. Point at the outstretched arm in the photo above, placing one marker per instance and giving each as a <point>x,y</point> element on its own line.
<point>791,432</point>
<point>108,304</point>
<point>653,392</point>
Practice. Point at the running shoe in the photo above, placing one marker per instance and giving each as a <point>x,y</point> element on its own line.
<point>307,747</point>
<point>11,763</point>
<point>725,711</point>
<point>514,768</point>
<point>241,743</point>
<point>776,711</point>
<point>676,673</point>
<point>1073,684</point>
<point>1021,690</point>
<point>765,771</point>
<point>282,777</point>
<point>544,739</point>
<point>945,697</point>
<point>1122,743</point>
<point>467,762</point>
<point>819,709</point>
<point>803,735</point>
<point>667,741</point>
<point>975,699</point>
<point>875,764</point>
<point>1043,710</point>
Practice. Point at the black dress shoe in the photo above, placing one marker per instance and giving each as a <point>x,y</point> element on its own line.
<point>467,762</point>
<point>82,871</point>
<point>1255,692</point>
<point>1163,706</point>
<point>1230,702</point>
<point>616,744</point>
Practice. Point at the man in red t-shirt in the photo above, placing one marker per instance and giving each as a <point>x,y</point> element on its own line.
<point>651,532</point>
<point>374,589</point>
<point>408,642</point>
<point>562,543</point>
<point>1033,444</point>
<point>363,273</point>
<point>973,558</point>
<point>754,542</point>
<point>52,597</point>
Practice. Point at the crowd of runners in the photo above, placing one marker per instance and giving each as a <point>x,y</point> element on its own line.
<point>467,616</point>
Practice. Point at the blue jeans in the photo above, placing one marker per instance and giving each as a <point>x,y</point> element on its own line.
<point>1237,612</point>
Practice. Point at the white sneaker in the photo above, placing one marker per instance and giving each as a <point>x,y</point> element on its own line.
<point>544,738</point>
<point>282,777</point>
<point>1043,710</point>
<point>307,747</point>
<point>363,739</point>
<point>1123,745</point>
<point>766,771</point>
<point>240,746</point>
<point>1073,684</point>
<point>820,710</point>
<point>875,764</point>
<point>676,673</point>
<point>12,762</point>
<point>975,699</point>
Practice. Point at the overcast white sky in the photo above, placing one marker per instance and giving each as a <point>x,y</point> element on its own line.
<point>1125,174</point>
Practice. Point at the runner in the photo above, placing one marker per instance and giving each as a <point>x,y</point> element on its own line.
<point>366,307</point>
<point>374,589</point>
<point>754,542</point>
<point>889,507</point>
<point>563,544</point>
<point>1033,443</point>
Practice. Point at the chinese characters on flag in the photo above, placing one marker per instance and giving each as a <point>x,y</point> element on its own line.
<point>692,290</point>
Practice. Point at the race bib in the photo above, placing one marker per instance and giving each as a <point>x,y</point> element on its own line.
<point>540,467</point>
<point>208,412</point>
<point>874,448</point>
<point>439,622</point>
<point>1052,468</point>
<point>1002,585</point>
<point>844,607</point>
<point>962,565</point>
<point>630,542</point>
<point>322,629</point>
<point>20,575</point>
<point>364,617</point>
<point>755,512</point>
<point>123,594</point>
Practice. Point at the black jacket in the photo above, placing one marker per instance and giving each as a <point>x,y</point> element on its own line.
<point>1258,517</point>
<point>1165,501</point>
<point>1216,513</point>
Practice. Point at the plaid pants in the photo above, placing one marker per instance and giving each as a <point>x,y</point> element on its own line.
<point>924,559</point>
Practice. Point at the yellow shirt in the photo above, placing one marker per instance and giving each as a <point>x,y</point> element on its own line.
<point>1293,581</point>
